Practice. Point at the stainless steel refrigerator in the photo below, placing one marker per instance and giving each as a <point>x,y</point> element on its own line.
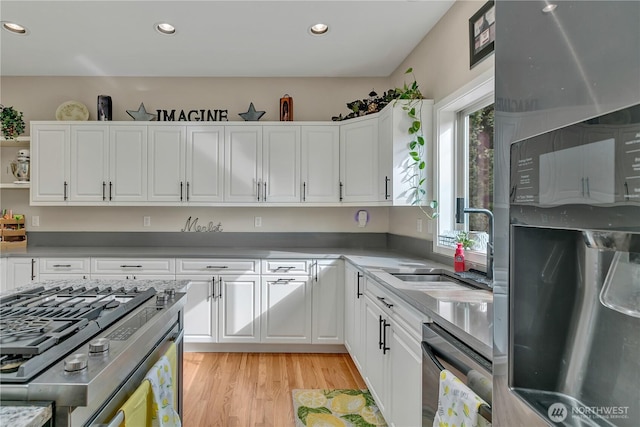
<point>567,222</point>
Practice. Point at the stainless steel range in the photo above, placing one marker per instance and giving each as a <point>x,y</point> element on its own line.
<point>88,345</point>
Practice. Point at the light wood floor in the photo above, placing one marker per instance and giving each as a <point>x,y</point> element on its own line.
<point>254,389</point>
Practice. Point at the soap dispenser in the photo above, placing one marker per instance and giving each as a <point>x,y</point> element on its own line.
<point>458,259</point>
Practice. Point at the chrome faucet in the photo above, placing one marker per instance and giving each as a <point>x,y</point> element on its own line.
<point>489,214</point>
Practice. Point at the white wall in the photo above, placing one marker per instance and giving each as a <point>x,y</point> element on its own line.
<point>441,65</point>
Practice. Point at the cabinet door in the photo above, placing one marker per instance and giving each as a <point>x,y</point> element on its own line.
<point>359,161</point>
<point>89,164</point>
<point>166,153</point>
<point>327,323</point>
<point>50,164</point>
<point>239,309</point>
<point>405,378</point>
<point>286,309</point>
<point>243,166</point>
<point>375,361</point>
<point>20,272</point>
<point>353,303</point>
<point>200,314</point>
<point>281,164</point>
<point>320,169</point>
<point>387,155</point>
<point>205,164</point>
<point>128,164</point>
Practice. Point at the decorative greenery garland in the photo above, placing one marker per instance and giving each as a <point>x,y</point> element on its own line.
<point>12,122</point>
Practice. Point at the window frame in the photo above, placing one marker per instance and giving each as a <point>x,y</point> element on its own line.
<point>447,155</point>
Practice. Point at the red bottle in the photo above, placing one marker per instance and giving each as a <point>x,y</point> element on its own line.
<point>458,259</point>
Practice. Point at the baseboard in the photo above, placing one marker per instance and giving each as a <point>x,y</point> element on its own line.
<point>262,348</point>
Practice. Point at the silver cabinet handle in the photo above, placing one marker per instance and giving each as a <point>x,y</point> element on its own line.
<point>187,191</point>
<point>386,187</point>
<point>65,190</point>
<point>264,196</point>
<point>181,184</point>
<point>258,190</point>
<point>287,269</point>
<point>130,266</point>
<point>217,267</point>
<point>282,281</point>
<point>341,191</point>
<point>61,265</point>
<point>104,191</point>
<point>110,190</point>
<point>220,288</point>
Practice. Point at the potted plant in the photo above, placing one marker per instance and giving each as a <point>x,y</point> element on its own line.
<point>409,96</point>
<point>466,240</point>
<point>12,122</point>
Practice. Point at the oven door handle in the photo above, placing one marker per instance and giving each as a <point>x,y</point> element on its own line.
<point>178,337</point>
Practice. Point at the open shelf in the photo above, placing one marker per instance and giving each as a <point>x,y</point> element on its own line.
<point>21,141</point>
<point>14,185</point>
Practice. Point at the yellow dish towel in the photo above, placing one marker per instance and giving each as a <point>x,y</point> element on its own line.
<point>172,355</point>
<point>162,385</point>
<point>457,404</point>
<point>136,408</point>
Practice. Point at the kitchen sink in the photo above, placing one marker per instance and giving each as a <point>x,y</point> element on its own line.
<point>431,282</point>
<point>411,277</point>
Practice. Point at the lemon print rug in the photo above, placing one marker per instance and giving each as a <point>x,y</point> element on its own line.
<point>336,408</point>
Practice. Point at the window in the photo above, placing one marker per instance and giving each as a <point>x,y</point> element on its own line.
<point>464,164</point>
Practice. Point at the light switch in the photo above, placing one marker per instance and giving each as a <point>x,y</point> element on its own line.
<point>35,221</point>
<point>147,221</point>
<point>257,221</point>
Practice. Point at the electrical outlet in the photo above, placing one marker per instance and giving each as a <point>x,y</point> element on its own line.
<point>419,225</point>
<point>35,221</point>
<point>147,221</point>
<point>257,221</point>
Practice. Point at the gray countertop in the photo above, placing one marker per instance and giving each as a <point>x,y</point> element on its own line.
<point>465,314</point>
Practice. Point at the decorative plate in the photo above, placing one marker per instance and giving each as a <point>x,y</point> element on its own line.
<point>72,110</point>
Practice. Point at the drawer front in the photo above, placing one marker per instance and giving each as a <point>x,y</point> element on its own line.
<point>133,265</point>
<point>286,267</point>
<point>399,310</point>
<point>64,265</point>
<point>217,266</point>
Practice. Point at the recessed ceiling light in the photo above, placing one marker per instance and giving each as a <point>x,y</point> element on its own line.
<point>14,28</point>
<point>549,8</point>
<point>319,29</point>
<point>165,28</point>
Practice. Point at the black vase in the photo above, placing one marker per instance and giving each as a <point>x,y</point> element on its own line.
<point>104,108</point>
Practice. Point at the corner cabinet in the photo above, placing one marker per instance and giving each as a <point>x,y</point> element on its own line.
<point>397,178</point>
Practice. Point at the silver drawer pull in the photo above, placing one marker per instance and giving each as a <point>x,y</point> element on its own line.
<point>287,269</point>
<point>217,266</point>
<point>130,266</point>
<point>62,265</point>
<point>282,281</point>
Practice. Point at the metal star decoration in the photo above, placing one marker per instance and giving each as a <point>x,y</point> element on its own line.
<point>252,115</point>
<point>141,114</point>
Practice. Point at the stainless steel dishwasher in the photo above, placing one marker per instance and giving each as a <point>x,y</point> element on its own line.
<point>441,350</point>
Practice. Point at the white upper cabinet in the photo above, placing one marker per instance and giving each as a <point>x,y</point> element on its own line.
<point>205,164</point>
<point>128,164</point>
<point>398,179</point>
<point>89,173</point>
<point>166,159</point>
<point>320,169</point>
<point>359,180</point>
<point>50,164</point>
<point>280,164</point>
<point>243,165</point>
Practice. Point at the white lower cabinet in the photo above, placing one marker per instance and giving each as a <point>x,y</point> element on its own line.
<point>392,357</point>
<point>64,268</point>
<point>239,309</point>
<point>327,296</point>
<point>354,307</point>
<point>286,309</point>
<point>20,272</point>
<point>201,310</point>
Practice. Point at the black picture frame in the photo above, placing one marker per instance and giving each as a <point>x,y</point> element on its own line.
<point>482,33</point>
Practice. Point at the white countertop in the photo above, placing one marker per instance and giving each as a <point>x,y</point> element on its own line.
<point>24,416</point>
